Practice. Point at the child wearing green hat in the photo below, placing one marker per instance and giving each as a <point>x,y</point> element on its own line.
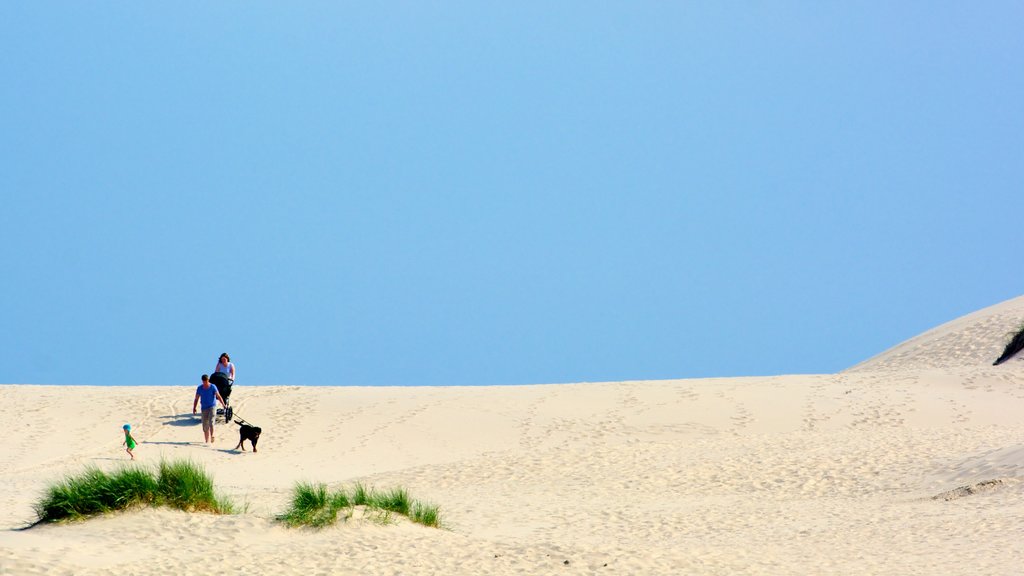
<point>128,440</point>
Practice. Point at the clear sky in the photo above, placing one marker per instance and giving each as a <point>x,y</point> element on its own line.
<point>462,193</point>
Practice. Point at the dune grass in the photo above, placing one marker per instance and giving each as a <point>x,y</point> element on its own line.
<point>185,486</point>
<point>313,506</point>
<point>426,514</point>
<point>182,485</point>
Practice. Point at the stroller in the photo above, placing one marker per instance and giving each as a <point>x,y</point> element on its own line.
<point>223,384</point>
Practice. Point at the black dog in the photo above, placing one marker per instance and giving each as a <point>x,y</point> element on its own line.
<point>248,432</point>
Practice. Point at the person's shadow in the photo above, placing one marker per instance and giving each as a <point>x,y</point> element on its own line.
<point>180,420</point>
<point>171,443</point>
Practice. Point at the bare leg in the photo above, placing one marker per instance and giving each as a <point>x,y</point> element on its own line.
<point>208,418</point>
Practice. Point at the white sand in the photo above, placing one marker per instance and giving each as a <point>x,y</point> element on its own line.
<point>823,474</point>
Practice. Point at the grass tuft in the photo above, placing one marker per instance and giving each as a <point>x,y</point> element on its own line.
<point>186,486</point>
<point>394,500</point>
<point>426,514</point>
<point>75,497</point>
<point>311,506</point>
<point>314,507</point>
<point>360,495</point>
<point>181,485</point>
<point>132,487</point>
<point>341,500</point>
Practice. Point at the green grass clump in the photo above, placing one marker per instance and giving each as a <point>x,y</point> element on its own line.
<point>341,500</point>
<point>132,487</point>
<point>394,500</point>
<point>95,492</point>
<point>426,514</point>
<point>312,505</point>
<point>181,485</point>
<point>360,495</point>
<point>186,486</point>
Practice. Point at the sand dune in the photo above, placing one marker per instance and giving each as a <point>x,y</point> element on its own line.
<point>968,342</point>
<point>908,463</point>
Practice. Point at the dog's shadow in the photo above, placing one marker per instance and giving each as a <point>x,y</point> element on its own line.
<point>180,420</point>
<point>232,451</point>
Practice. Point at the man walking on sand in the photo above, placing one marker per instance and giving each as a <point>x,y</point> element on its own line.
<point>210,396</point>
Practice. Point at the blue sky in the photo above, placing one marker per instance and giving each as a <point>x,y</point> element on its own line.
<point>470,193</point>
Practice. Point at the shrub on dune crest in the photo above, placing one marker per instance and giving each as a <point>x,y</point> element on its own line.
<point>1015,345</point>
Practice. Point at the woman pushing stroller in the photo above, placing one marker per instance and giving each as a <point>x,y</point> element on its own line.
<point>224,376</point>
<point>224,366</point>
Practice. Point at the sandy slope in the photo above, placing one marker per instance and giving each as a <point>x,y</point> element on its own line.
<point>826,474</point>
<point>972,341</point>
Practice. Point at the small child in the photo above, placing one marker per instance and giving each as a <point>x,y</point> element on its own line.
<point>128,440</point>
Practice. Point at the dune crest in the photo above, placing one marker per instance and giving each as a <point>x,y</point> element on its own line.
<point>973,340</point>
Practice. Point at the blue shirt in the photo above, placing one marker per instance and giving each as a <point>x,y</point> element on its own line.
<point>207,396</point>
